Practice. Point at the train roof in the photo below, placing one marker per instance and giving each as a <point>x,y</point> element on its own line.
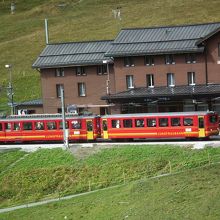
<point>159,114</point>
<point>44,117</point>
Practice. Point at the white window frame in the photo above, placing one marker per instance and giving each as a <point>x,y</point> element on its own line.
<point>58,87</point>
<point>81,89</point>
<point>170,80</point>
<point>191,78</point>
<point>130,81</point>
<point>150,80</point>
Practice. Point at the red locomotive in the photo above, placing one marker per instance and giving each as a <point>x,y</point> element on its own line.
<point>48,127</point>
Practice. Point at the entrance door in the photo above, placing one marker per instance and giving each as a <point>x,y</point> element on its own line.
<point>89,128</point>
<point>201,126</point>
<point>105,129</point>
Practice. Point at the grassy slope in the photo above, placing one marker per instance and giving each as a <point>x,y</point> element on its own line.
<point>192,195</point>
<point>22,35</point>
<point>50,173</point>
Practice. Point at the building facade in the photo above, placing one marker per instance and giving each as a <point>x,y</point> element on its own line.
<point>159,69</point>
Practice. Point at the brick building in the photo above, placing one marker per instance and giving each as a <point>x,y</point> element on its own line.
<point>159,69</point>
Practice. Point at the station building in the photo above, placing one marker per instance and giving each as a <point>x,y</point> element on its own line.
<point>156,69</point>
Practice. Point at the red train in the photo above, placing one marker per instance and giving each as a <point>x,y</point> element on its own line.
<point>48,127</point>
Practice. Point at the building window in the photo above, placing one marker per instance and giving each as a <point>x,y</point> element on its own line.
<point>81,89</point>
<point>170,79</point>
<point>169,59</point>
<point>80,71</point>
<point>58,88</point>
<point>149,61</point>
<point>59,72</point>
<point>128,61</point>
<point>102,69</point>
<point>190,58</point>
<point>130,81</point>
<point>150,80</point>
<point>191,78</point>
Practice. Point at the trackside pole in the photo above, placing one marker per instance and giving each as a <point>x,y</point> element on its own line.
<point>65,131</point>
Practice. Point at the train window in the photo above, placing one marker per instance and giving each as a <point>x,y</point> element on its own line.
<point>151,122</point>
<point>51,125</point>
<point>127,123</point>
<point>116,124</point>
<point>163,122</point>
<point>76,124</point>
<point>104,125</point>
<point>188,121</point>
<point>1,128</point>
<point>89,125</point>
<point>139,123</point>
<point>213,118</point>
<point>61,125</point>
<point>39,125</point>
<point>8,126</point>
<point>27,126</point>
<point>175,122</point>
<point>17,127</point>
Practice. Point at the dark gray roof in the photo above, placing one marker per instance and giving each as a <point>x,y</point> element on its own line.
<point>35,102</point>
<point>72,54</point>
<point>164,91</point>
<point>167,39</point>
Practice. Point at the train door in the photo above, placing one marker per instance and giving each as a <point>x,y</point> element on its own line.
<point>105,128</point>
<point>89,129</point>
<point>201,126</point>
<point>2,132</point>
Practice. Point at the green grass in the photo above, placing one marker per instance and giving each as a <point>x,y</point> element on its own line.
<point>193,194</point>
<point>52,173</point>
<point>9,157</point>
<point>22,35</point>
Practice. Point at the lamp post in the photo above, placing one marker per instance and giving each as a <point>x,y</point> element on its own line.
<point>108,78</point>
<point>10,88</point>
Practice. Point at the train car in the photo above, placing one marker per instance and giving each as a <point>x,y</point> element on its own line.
<point>160,125</point>
<point>48,127</point>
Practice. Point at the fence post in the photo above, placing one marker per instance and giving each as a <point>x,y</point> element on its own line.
<point>124,176</point>
<point>170,167</point>
<point>89,186</point>
<point>209,159</point>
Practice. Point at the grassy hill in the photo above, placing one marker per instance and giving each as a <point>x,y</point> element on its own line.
<point>190,194</point>
<point>22,35</point>
<point>52,173</point>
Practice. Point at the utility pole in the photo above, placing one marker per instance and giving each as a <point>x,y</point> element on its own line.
<point>65,131</point>
<point>10,92</point>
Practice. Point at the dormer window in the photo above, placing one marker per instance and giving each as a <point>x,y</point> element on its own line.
<point>149,60</point>
<point>169,59</point>
<point>80,71</point>
<point>190,58</point>
<point>59,72</point>
<point>128,61</point>
<point>102,69</point>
